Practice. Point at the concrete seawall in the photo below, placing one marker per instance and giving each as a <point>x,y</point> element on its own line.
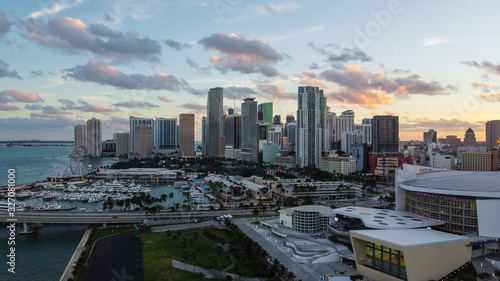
<point>67,274</point>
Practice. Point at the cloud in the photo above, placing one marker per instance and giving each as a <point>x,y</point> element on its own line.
<point>135,104</point>
<point>195,65</point>
<point>434,41</point>
<point>277,92</point>
<point>98,72</point>
<point>341,55</point>
<point>49,109</point>
<point>239,92</point>
<point>310,78</point>
<point>20,96</point>
<point>493,97</point>
<point>4,24</point>
<point>4,71</point>
<point>485,87</point>
<point>61,128</point>
<point>56,8</point>
<point>107,17</point>
<point>370,89</point>
<point>445,125</point>
<point>84,106</point>
<point>241,54</point>
<point>164,98</point>
<point>194,106</point>
<point>175,45</point>
<point>33,106</point>
<point>72,36</point>
<point>484,65</point>
<point>36,74</point>
<point>8,107</point>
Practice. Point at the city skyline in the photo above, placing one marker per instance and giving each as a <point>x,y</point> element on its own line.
<point>63,63</point>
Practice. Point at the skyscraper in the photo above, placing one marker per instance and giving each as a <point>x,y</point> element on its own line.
<point>265,112</point>
<point>134,122</point>
<point>249,138</point>
<point>289,119</point>
<point>233,131</point>
<point>291,132</point>
<point>344,123</point>
<point>276,120</point>
<point>276,135</point>
<point>94,137</point>
<point>311,126</point>
<point>470,138</point>
<point>81,135</point>
<point>186,132</point>
<point>122,140</point>
<point>165,135</point>
<point>430,136</point>
<point>366,129</point>
<point>143,140</point>
<point>204,135</point>
<point>215,121</point>
<point>492,133</point>
<point>385,134</point>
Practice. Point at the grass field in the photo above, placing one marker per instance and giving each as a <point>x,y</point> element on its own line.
<point>160,249</point>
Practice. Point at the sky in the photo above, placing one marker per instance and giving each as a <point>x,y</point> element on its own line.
<point>435,64</point>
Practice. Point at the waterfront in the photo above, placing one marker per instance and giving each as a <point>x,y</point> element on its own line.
<point>45,254</point>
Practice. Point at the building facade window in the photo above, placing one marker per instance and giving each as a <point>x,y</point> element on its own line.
<point>386,260</point>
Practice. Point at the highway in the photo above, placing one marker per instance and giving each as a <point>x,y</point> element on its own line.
<point>65,217</point>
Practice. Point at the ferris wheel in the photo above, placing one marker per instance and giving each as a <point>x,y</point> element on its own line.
<point>78,160</point>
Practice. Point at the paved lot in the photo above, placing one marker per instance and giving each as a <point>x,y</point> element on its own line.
<point>117,258</point>
<point>300,266</point>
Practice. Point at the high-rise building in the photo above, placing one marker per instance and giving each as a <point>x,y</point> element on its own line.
<point>265,112</point>
<point>143,141</point>
<point>186,135</point>
<point>215,121</point>
<point>276,120</point>
<point>276,135</point>
<point>330,129</point>
<point>430,136</point>
<point>122,140</point>
<point>385,134</point>
<point>289,119</point>
<point>366,129</point>
<point>269,152</point>
<point>94,137</point>
<point>291,132</point>
<point>233,135</point>
<point>311,126</point>
<point>453,141</point>
<point>344,123</point>
<point>165,135</point>
<point>249,138</point>
<point>204,135</point>
<point>81,135</point>
<point>470,138</point>
<point>492,133</point>
<point>349,138</point>
<point>134,122</point>
<point>479,161</point>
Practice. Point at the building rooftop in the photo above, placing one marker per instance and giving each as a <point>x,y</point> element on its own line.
<point>386,219</point>
<point>323,210</point>
<point>475,184</point>
<point>411,237</point>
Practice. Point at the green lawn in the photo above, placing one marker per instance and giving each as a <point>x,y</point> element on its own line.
<point>159,251</point>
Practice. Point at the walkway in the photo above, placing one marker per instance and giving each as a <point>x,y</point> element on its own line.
<point>210,273</point>
<point>68,272</point>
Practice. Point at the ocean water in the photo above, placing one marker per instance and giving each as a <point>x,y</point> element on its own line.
<point>45,254</point>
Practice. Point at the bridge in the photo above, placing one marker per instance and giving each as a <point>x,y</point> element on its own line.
<point>127,217</point>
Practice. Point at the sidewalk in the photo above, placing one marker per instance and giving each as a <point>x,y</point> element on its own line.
<point>209,273</point>
<point>68,272</point>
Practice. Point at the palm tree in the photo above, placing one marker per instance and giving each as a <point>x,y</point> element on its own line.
<point>255,213</point>
<point>170,197</point>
